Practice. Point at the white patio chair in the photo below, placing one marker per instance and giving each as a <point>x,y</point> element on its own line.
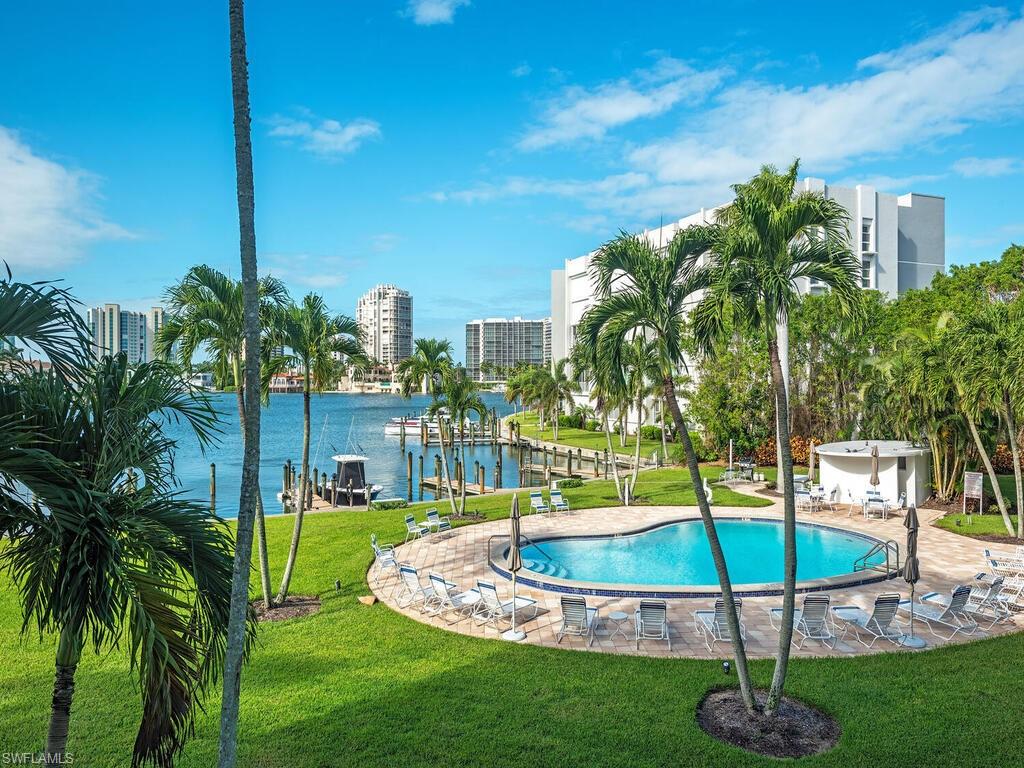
<point>651,621</point>
<point>411,592</point>
<point>987,601</point>
<point>384,559</point>
<point>414,530</point>
<point>434,519</point>
<point>953,614</point>
<point>577,619</point>
<point>558,502</point>
<point>811,622</point>
<point>880,624</point>
<point>537,504</point>
<point>713,626</point>
<point>448,601</point>
<point>493,609</point>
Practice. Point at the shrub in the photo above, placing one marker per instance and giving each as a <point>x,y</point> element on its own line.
<point>379,506</point>
<point>1002,460</point>
<point>704,453</point>
<point>650,432</point>
<point>800,447</point>
<point>570,482</point>
<point>593,425</point>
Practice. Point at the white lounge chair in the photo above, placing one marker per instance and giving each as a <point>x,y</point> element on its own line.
<point>830,501</point>
<point>953,615</point>
<point>384,559</point>
<point>537,504</point>
<point>812,621</point>
<point>878,625</point>
<point>434,520</point>
<point>493,609</point>
<point>577,619</point>
<point>804,501</point>
<point>411,592</point>
<point>414,530</point>
<point>713,625</point>
<point>558,502</point>
<point>448,601</point>
<point>651,621</point>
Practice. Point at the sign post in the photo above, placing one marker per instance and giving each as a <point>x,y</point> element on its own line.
<point>973,482</point>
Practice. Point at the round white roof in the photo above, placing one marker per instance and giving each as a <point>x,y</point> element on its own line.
<point>886,448</point>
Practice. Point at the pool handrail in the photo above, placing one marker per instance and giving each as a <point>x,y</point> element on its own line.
<point>892,558</point>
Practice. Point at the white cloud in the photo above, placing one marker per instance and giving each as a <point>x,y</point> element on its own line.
<point>315,272</point>
<point>971,167</point>
<point>384,242</point>
<point>522,70</point>
<point>967,73</point>
<point>884,183</point>
<point>324,137</point>
<point>581,113</point>
<point>429,12</point>
<point>48,212</point>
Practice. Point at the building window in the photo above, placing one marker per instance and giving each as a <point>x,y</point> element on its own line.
<point>865,272</point>
<point>865,236</point>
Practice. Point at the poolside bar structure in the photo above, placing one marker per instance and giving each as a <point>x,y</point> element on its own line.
<point>902,467</point>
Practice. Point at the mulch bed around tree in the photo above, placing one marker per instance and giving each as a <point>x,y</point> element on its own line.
<point>295,606</point>
<point>797,730</point>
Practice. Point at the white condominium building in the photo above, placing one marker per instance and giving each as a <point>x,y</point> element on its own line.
<point>499,343</point>
<point>385,315</point>
<point>114,330</point>
<point>900,240</point>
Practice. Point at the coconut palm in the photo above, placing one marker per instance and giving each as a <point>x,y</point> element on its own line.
<point>985,358</point>
<point>559,390</point>
<point>460,398</point>
<point>430,362</point>
<point>769,241</point>
<point>208,309</point>
<point>423,372</point>
<point>102,549</point>
<point>651,296</point>
<point>249,503</point>
<point>320,345</point>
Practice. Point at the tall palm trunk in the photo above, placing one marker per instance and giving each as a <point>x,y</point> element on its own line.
<point>69,653</point>
<point>742,670</point>
<point>558,411</point>
<point>636,458</point>
<point>249,495</point>
<point>261,533</point>
<point>996,490</point>
<point>293,550</point>
<point>462,453</point>
<point>788,531</point>
<point>1011,428</point>
<point>664,436</point>
<point>611,456</point>
<point>444,465</point>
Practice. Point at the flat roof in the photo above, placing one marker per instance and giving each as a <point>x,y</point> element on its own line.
<point>862,448</point>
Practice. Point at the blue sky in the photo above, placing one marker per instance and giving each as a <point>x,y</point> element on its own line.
<point>464,149</point>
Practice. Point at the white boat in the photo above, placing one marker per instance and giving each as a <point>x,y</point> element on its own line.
<point>412,424</point>
<point>353,467</point>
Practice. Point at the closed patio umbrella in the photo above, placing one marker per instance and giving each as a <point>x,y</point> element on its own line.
<point>912,573</point>
<point>874,466</point>
<point>514,563</point>
<point>810,464</point>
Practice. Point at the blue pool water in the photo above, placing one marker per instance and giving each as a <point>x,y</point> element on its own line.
<point>678,554</point>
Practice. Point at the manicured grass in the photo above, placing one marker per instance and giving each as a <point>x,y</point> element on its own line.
<point>976,525</point>
<point>581,438</point>
<point>364,686</point>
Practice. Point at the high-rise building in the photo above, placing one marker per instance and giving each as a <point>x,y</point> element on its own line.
<point>114,331</point>
<point>385,315</point>
<point>154,322</point>
<point>899,240</point>
<point>497,344</point>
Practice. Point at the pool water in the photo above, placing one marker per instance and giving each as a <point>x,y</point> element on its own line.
<point>678,554</point>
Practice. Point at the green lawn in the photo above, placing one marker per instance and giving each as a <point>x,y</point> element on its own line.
<point>581,438</point>
<point>364,686</point>
<point>976,525</point>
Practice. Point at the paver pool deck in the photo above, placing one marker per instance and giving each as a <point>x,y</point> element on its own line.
<point>462,557</point>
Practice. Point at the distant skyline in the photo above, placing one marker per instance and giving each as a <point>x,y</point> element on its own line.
<point>462,149</point>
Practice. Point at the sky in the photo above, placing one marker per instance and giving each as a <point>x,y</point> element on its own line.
<point>462,149</point>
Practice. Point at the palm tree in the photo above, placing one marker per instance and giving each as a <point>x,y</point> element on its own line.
<point>422,372</point>
<point>97,557</point>
<point>767,242</point>
<point>653,291</point>
<point>430,362</point>
<point>585,368</point>
<point>319,344</point>
<point>208,309</point>
<point>985,358</point>
<point>559,390</point>
<point>640,373</point>
<point>460,398</point>
<point>249,505</point>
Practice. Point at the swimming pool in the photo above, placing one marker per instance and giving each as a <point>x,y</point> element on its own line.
<point>676,554</point>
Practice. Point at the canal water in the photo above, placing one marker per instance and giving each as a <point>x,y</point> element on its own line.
<point>341,423</point>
